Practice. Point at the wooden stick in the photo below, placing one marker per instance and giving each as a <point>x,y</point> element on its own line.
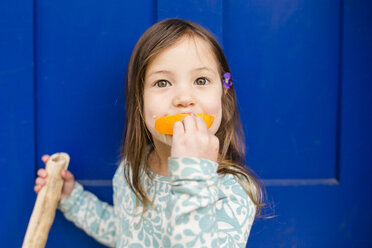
<point>46,203</point>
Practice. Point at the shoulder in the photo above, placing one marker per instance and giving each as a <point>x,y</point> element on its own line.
<point>120,169</point>
<point>235,211</point>
<point>233,188</point>
<point>233,196</point>
<point>123,195</point>
<point>119,178</point>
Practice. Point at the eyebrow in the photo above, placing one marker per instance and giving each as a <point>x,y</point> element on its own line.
<point>159,72</point>
<point>169,72</point>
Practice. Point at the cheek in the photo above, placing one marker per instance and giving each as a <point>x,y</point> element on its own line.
<point>149,111</point>
<point>215,109</point>
<point>154,107</point>
<point>216,123</point>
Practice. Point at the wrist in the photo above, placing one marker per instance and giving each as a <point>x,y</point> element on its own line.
<point>192,168</point>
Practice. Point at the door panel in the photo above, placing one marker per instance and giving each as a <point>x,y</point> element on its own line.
<point>288,88</point>
<point>301,71</point>
<point>17,141</point>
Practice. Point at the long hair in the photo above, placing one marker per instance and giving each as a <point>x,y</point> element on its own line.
<point>136,136</point>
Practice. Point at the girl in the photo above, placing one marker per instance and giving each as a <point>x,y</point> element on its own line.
<point>189,189</point>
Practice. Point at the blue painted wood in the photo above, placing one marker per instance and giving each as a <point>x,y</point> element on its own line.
<point>207,13</point>
<point>82,53</point>
<point>335,216</point>
<point>356,119</point>
<point>81,92</point>
<point>17,146</point>
<point>284,57</point>
<point>302,74</point>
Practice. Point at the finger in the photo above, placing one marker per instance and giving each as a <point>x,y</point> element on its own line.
<point>189,123</point>
<point>200,124</point>
<point>178,129</point>
<point>67,175</point>
<point>45,158</point>
<point>37,188</point>
<point>42,173</point>
<point>40,181</point>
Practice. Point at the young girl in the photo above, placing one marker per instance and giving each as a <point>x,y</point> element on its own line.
<point>189,189</point>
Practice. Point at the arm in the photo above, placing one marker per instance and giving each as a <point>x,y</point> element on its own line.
<point>95,217</point>
<point>196,210</point>
<point>235,213</point>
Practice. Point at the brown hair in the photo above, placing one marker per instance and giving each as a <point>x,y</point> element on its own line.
<point>136,137</point>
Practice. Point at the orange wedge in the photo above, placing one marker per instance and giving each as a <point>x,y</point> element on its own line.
<point>165,124</point>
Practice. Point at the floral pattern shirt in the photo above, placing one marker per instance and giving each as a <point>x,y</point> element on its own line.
<point>193,207</point>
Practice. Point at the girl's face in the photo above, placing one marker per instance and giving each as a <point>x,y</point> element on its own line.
<point>183,78</point>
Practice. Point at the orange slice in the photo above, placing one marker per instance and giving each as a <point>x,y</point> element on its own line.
<point>165,124</point>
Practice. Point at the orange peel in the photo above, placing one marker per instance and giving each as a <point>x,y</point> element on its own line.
<point>165,124</point>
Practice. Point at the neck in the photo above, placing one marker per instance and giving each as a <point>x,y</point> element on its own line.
<point>158,159</point>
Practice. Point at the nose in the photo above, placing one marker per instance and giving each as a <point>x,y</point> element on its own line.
<point>183,98</point>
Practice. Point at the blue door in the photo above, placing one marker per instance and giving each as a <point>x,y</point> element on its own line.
<point>302,70</point>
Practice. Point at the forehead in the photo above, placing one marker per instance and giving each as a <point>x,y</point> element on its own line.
<point>187,53</point>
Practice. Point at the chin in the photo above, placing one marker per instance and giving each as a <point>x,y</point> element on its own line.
<point>163,139</point>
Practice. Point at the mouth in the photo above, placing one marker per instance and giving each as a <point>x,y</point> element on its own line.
<point>165,124</point>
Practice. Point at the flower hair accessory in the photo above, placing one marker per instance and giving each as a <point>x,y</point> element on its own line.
<point>227,80</point>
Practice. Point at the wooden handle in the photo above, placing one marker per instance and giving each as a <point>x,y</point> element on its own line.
<point>46,203</point>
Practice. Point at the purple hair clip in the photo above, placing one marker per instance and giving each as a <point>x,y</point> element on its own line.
<point>227,80</point>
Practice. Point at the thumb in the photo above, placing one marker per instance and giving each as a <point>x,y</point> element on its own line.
<point>67,175</point>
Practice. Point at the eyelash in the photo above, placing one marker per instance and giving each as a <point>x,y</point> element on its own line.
<point>204,78</point>
<point>156,84</point>
<point>206,81</point>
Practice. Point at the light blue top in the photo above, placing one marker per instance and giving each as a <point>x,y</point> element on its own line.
<point>193,207</point>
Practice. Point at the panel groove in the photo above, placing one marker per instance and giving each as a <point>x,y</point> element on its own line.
<point>156,14</point>
<point>96,183</point>
<point>223,13</point>
<point>339,96</point>
<point>301,182</point>
<point>266,182</point>
<point>34,45</point>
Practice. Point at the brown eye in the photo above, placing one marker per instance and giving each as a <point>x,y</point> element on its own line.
<point>201,81</point>
<point>162,83</point>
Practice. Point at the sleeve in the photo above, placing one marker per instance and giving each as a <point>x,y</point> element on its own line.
<point>87,212</point>
<point>194,205</point>
<point>235,213</point>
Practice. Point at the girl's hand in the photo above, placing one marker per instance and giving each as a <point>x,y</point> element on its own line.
<point>191,138</point>
<point>67,176</point>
